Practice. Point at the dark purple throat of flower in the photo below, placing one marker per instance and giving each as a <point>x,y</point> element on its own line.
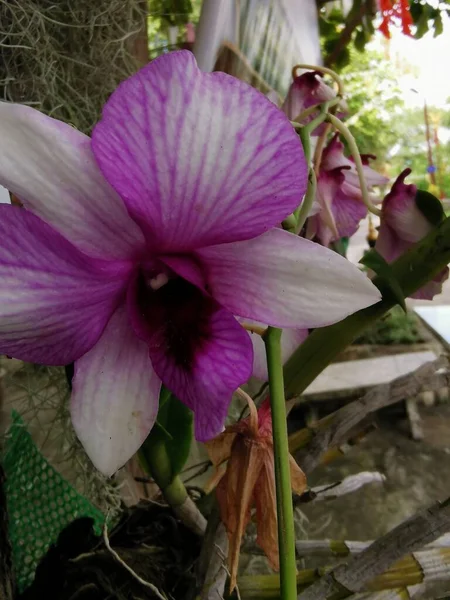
<point>172,316</point>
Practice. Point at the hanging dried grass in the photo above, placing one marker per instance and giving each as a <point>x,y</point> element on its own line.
<point>65,57</point>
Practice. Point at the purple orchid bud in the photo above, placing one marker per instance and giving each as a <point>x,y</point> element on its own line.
<point>402,226</point>
<point>307,90</point>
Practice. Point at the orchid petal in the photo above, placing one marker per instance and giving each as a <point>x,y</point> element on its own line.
<point>290,341</point>
<point>298,478</point>
<point>433,287</point>
<point>198,350</point>
<point>264,496</point>
<point>388,244</point>
<point>235,494</point>
<point>50,166</point>
<point>305,91</point>
<point>371,177</point>
<point>54,301</point>
<point>198,158</point>
<point>347,212</point>
<point>115,396</point>
<point>286,281</point>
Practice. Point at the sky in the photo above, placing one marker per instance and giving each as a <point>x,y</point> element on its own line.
<point>431,57</point>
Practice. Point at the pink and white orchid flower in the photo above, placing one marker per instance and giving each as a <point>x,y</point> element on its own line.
<point>402,226</point>
<point>307,90</point>
<point>339,195</point>
<point>134,250</point>
<point>333,157</point>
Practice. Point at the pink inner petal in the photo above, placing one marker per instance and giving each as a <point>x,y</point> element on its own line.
<point>198,158</point>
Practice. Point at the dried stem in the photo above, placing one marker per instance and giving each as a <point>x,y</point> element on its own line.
<point>333,430</point>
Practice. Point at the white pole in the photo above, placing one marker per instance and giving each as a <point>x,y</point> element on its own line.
<point>209,34</point>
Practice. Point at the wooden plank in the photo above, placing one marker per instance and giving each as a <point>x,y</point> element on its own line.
<point>355,377</point>
<point>437,319</point>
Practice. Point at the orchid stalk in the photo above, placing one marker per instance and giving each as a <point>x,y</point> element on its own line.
<point>285,512</point>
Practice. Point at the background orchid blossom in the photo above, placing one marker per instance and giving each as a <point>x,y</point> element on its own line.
<point>402,225</point>
<point>307,90</point>
<point>136,249</point>
<point>339,195</point>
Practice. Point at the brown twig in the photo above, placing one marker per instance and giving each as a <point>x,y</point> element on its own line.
<point>411,535</point>
<point>333,430</point>
<point>212,573</point>
<point>352,22</point>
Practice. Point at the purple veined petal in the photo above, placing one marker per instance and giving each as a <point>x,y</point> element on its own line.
<point>433,287</point>
<point>333,158</point>
<point>115,396</point>
<point>199,350</point>
<point>198,158</point>
<point>290,341</point>
<point>50,166</point>
<point>371,177</point>
<point>348,213</point>
<point>186,267</point>
<point>328,185</point>
<point>54,300</point>
<point>285,281</point>
<point>388,245</point>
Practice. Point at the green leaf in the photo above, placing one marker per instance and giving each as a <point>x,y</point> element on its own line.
<point>422,25</point>
<point>179,426</point>
<point>343,59</point>
<point>360,40</point>
<point>438,25</point>
<point>164,395</point>
<point>430,206</point>
<point>416,10</point>
<point>325,27</point>
<point>170,438</point>
<point>376,262</point>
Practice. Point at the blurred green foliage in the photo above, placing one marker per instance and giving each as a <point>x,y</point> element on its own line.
<point>343,31</point>
<point>396,327</point>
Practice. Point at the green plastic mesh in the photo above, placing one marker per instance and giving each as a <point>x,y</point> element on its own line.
<point>40,502</point>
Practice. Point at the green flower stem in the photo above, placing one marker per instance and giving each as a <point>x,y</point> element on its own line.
<point>344,131</point>
<point>156,462</point>
<point>305,207</point>
<point>412,270</point>
<point>312,109</point>
<point>306,143</point>
<point>285,513</point>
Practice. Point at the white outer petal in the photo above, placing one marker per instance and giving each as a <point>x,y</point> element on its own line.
<point>286,281</point>
<point>115,396</point>
<point>50,166</point>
